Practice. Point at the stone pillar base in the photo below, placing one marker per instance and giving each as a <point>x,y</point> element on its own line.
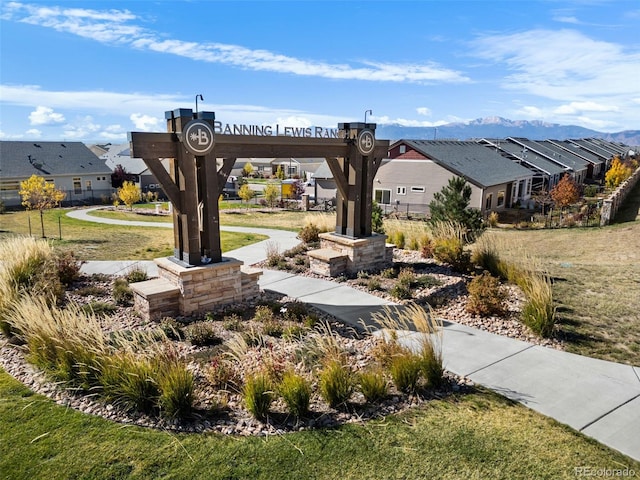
<point>344,255</point>
<point>192,290</point>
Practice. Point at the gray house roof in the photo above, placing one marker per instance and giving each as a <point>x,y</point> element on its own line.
<point>23,159</point>
<point>478,164</point>
<point>120,154</point>
<point>551,151</point>
<point>536,162</point>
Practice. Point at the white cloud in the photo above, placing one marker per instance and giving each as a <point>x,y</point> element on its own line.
<point>579,107</point>
<point>146,123</point>
<point>423,111</point>
<point>563,64</point>
<point>294,121</point>
<point>45,116</point>
<point>33,133</point>
<point>112,26</point>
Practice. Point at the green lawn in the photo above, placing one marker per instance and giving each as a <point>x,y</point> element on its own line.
<point>474,436</point>
<point>96,241</point>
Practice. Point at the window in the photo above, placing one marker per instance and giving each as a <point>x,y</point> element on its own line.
<point>488,201</point>
<point>10,186</point>
<point>403,149</point>
<point>401,190</point>
<point>417,189</point>
<point>500,198</point>
<point>77,185</point>
<point>382,196</point>
<point>87,185</point>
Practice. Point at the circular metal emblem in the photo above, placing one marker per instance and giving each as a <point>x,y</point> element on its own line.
<point>198,137</point>
<point>366,142</point>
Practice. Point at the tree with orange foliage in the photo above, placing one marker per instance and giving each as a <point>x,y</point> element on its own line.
<point>565,192</point>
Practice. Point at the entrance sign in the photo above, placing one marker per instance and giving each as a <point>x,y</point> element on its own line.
<point>366,142</point>
<point>198,137</point>
<point>201,160</point>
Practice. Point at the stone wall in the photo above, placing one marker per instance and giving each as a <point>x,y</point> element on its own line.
<point>191,290</point>
<point>611,204</point>
<point>339,254</point>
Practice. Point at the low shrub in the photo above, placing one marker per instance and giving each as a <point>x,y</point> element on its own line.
<point>401,291</point>
<point>486,296</point>
<point>294,332</point>
<point>405,371</point>
<point>99,308</point>
<point>67,267</point>
<point>274,257</point>
<point>374,284</point>
<point>233,322</point>
<point>223,375</point>
<point>263,314</point>
<point>426,248</point>
<point>373,385</point>
<point>451,251</point>
<point>122,293</point>
<point>136,274</point>
<point>309,233</point>
<point>258,395</point>
<point>335,383</point>
<point>202,334</point>
<point>295,311</point>
<point>171,328</point>
<point>273,328</point>
<point>296,393</point>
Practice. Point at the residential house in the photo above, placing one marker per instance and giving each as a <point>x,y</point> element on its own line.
<point>576,166</point>
<point>71,166</point>
<point>546,174</point>
<point>417,169</point>
<point>302,168</point>
<point>596,165</point>
<point>120,154</point>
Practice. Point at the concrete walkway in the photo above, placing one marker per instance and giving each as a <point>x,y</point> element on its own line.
<point>598,398</point>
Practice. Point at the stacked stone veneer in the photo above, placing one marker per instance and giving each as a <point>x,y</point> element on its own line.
<point>339,254</point>
<point>191,290</point>
<point>612,203</point>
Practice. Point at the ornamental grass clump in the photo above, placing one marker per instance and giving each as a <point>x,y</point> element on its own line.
<point>258,395</point>
<point>336,383</point>
<point>373,385</point>
<point>66,343</point>
<point>420,326</point>
<point>405,371</point>
<point>177,385</point>
<point>28,267</point>
<point>295,390</point>
<point>539,311</point>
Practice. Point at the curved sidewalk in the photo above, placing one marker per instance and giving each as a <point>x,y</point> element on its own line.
<point>598,398</point>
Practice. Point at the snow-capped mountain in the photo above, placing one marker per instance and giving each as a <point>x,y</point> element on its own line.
<point>498,127</point>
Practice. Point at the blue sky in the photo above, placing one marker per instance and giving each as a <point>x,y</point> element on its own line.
<point>92,71</point>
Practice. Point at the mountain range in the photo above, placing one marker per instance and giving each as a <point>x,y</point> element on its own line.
<point>498,127</point>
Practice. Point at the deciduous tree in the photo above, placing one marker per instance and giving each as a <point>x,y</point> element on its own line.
<point>247,170</point>
<point>271,193</point>
<point>129,193</point>
<point>617,173</point>
<point>38,194</point>
<point>565,192</point>
<point>246,193</point>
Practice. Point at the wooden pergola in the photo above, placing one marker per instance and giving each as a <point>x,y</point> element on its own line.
<point>198,174</point>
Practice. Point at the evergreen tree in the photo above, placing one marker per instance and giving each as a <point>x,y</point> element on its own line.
<point>451,205</point>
